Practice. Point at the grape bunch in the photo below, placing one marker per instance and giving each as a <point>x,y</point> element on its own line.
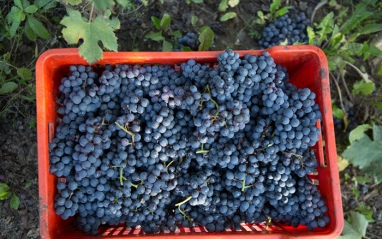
<point>160,149</point>
<point>291,28</point>
<point>190,40</point>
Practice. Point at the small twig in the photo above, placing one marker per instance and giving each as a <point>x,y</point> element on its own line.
<point>8,64</point>
<point>319,5</point>
<point>91,13</point>
<point>341,102</point>
<point>346,87</point>
<point>364,76</point>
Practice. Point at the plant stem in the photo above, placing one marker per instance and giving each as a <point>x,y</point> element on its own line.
<point>341,102</point>
<point>364,76</point>
<point>124,129</point>
<point>187,199</point>
<point>346,87</point>
<point>91,13</point>
<point>319,5</point>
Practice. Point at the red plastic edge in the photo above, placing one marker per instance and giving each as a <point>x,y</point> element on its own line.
<point>47,57</point>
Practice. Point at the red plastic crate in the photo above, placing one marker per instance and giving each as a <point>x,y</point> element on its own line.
<point>307,67</point>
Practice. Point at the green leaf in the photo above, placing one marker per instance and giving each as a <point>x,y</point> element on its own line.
<point>311,35</point>
<point>337,112</point>
<point>29,32</point>
<point>4,188</point>
<point>355,19</point>
<point>19,4</point>
<point>367,154</point>
<point>375,50</point>
<point>274,6</point>
<point>370,28</point>
<point>155,36</point>
<point>48,3</point>
<point>227,16</point>
<point>165,21</point>
<point>223,6</point>
<point>325,27</point>
<point>379,70</point>
<point>25,73</point>
<point>91,33</point>
<point>127,4</point>
<point>365,210</point>
<point>16,20</point>
<point>356,229</point>
<point>28,185</point>
<point>233,3</point>
<point>177,33</point>
<point>194,20</point>
<point>15,202</point>
<point>166,46</point>
<point>186,48</point>
<point>8,88</point>
<point>37,27</point>
<point>337,36</point>
<point>362,180</point>
<point>359,132</point>
<point>299,43</point>
<point>103,4</point>
<point>31,9</point>
<point>197,1</point>
<point>156,22</point>
<point>206,38</point>
<point>378,104</point>
<point>4,195</point>
<point>356,193</point>
<point>282,11</point>
<point>353,48</point>
<point>335,62</point>
<point>363,87</point>
<point>284,43</point>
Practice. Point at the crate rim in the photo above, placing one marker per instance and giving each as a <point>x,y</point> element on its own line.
<point>42,139</point>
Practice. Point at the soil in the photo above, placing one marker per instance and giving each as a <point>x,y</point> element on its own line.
<point>18,141</point>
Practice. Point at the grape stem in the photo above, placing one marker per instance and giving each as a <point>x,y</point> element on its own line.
<point>244,187</point>
<point>170,163</point>
<point>124,129</point>
<point>202,151</point>
<point>183,202</point>
<point>121,177</point>
<point>268,223</point>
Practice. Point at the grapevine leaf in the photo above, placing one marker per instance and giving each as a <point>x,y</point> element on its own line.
<point>73,2</point>
<point>227,16</point>
<point>367,154</point>
<point>378,104</point>
<point>233,3</point>
<point>4,195</point>
<point>311,35</point>
<point>29,32</point>
<point>363,87</point>
<point>282,11</point>
<point>3,188</point>
<point>8,88</point>
<point>274,6</point>
<point>206,38</point>
<point>365,210</point>
<point>156,22</point>
<point>194,20</point>
<point>359,132</point>
<point>166,46</point>
<point>186,48</point>
<point>165,21</point>
<point>342,163</point>
<point>37,27</point>
<point>25,73</point>
<point>31,9</point>
<point>223,6</point>
<point>337,112</point>
<point>103,4</point>
<point>325,27</point>
<point>15,202</point>
<point>177,33</point>
<point>155,36</point>
<point>91,33</point>
<point>356,229</point>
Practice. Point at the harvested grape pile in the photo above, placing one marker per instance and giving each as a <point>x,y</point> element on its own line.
<point>158,149</point>
<point>284,28</point>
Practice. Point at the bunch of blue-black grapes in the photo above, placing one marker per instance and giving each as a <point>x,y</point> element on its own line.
<point>190,40</point>
<point>159,149</point>
<point>291,28</point>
